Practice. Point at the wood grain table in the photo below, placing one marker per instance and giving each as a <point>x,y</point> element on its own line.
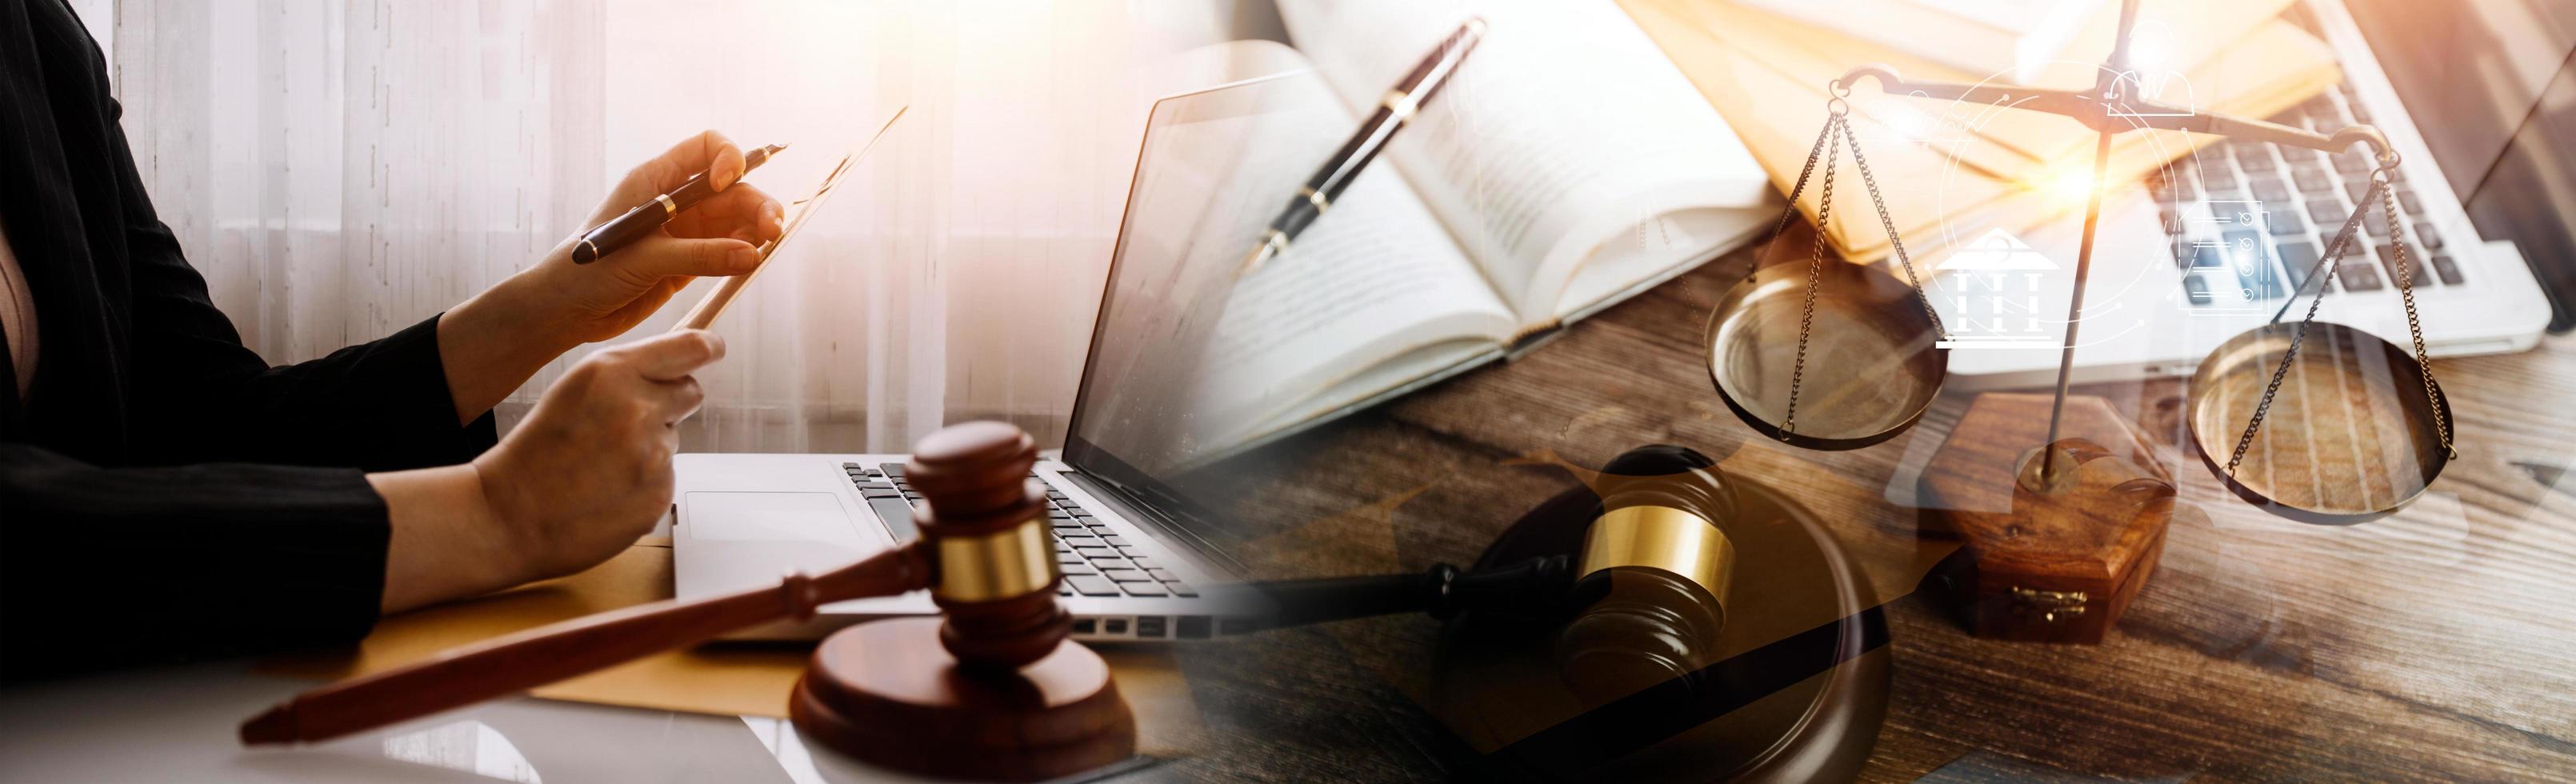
<point>2437,644</point>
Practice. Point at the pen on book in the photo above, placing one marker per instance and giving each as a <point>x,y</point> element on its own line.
<point>1392,113</point>
<point>625,229</point>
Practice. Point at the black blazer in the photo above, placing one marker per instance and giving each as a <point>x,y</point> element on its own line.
<point>164,492</point>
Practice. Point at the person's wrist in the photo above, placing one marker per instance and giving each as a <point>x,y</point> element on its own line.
<point>539,312</point>
<point>503,508</point>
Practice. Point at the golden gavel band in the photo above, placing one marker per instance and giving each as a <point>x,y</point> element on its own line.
<point>1656,570</point>
<point>1656,555</point>
<point>984,556</point>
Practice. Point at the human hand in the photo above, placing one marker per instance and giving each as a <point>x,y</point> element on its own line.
<point>717,237</point>
<point>589,470</point>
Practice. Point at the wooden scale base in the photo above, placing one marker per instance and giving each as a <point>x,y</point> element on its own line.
<point>887,693</point>
<point>2045,556</point>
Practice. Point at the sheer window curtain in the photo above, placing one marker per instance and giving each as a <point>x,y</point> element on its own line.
<point>339,169</point>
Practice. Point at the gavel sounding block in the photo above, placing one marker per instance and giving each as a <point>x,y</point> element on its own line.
<point>887,692</point>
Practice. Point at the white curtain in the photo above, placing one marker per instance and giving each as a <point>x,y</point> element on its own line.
<point>342,168</point>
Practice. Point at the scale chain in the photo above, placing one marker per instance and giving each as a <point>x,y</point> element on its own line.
<point>1791,211</point>
<point>1815,270</point>
<point>2414,326</point>
<point>2333,265</point>
<point>1892,240</point>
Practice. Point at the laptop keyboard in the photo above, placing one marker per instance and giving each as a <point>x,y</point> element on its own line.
<point>1096,560</point>
<point>2250,219</point>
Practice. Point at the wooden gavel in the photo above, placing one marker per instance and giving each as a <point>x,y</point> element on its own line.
<point>985,557</point>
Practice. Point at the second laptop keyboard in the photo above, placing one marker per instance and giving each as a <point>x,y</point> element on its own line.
<point>2251,218</point>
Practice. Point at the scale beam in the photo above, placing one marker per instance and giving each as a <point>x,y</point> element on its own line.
<point>2106,111</point>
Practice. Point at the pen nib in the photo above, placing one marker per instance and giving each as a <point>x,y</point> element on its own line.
<point>1271,245</point>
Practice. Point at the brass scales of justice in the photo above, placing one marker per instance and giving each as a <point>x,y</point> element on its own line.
<point>2366,431</point>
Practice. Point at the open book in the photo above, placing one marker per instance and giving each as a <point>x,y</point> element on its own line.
<point>1566,167</point>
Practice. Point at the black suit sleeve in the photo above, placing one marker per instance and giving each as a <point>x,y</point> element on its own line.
<point>200,395</point>
<point>105,567</point>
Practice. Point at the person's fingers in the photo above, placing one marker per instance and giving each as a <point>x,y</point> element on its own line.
<point>678,398</point>
<point>673,355</point>
<point>742,211</point>
<point>653,258</point>
<point>708,151</point>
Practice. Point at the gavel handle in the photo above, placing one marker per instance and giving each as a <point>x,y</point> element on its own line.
<point>1441,591</point>
<point>525,660</point>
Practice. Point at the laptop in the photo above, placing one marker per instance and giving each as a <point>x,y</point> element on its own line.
<point>2218,245</point>
<point>1136,566</point>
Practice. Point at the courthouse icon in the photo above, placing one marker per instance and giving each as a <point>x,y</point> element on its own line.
<point>1995,290</point>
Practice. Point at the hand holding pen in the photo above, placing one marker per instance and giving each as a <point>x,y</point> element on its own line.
<point>720,235</point>
<point>728,167</point>
<point>1398,107</point>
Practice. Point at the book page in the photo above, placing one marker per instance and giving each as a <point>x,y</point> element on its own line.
<point>1564,131</point>
<point>1198,355</point>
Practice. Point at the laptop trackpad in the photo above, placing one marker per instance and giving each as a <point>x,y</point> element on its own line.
<point>769,517</point>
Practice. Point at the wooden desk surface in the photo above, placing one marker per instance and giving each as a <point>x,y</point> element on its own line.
<point>2436,644</point>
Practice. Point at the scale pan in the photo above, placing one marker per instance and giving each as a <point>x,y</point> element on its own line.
<point>2350,436</point>
<point>1872,363</point>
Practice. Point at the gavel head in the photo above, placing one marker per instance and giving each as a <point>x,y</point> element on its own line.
<point>1652,579</point>
<point>993,568</point>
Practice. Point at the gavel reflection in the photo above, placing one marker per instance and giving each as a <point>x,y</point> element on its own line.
<point>1641,601</point>
<point>990,690</point>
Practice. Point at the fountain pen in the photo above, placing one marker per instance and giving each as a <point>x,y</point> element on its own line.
<point>625,229</point>
<point>1393,111</point>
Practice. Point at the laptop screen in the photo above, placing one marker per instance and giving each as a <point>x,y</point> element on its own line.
<point>1215,167</point>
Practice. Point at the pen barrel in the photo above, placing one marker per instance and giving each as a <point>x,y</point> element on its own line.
<point>623,230</point>
<point>1336,176</point>
<point>536,657</point>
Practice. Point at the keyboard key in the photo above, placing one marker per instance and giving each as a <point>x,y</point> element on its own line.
<point>1163,575</point>
<point>1131,552</point>
<point>1083,541</point>
<point>2207,257</point>
<point>2297,258</point>
<point>891,469</point>
<point>1076,567</point>
<point>2270,190</point>
<point>2352,162</point>
<point>2359,276</point>
<point>2257,160</point>
<point>2328,214</point>
<point>2218,179</point>
<point>2408,201</point>
<point>2414,266</point>
<point>2312,179</point>
<point>1108,562</point>
<point>2356,188</point>
<point>2375,221</point>
<point>2428,238</point>
<point>1147,563</point>
<point>1114,541</point>
<point>1126,575</point>
<point>2447,270</point>
<point>873,493</point>
<point>1092,585</point>
<point>1179,589</point>
<point>897,516</point>
<point>2288,222</point>
<point>1096,552</point>
<point>1146,588</point>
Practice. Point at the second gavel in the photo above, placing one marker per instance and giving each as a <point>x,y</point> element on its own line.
<point>991,690</point>
<point>1640,601</point>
